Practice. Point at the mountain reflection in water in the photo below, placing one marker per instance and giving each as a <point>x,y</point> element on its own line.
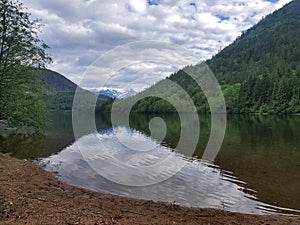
<point>197,184</point>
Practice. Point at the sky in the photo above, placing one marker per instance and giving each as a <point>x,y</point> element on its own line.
<point>82,32</point>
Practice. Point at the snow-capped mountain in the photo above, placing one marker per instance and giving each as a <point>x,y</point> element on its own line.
<point>116,93</point>
<point>127,94</point>
<point>109,93</point>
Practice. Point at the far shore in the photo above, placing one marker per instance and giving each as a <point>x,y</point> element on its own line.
<point>30,195</point>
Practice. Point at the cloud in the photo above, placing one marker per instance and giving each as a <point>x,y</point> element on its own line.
<point>80,32</point>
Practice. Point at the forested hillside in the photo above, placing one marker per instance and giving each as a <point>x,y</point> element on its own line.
<point>59,91</point>
<point>265,60</point>
<point>259,72</point>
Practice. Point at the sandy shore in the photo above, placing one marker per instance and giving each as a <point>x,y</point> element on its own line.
<point>30,195</point>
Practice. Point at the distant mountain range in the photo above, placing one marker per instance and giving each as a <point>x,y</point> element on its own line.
<point>116,94</point>
<point>108,92</point>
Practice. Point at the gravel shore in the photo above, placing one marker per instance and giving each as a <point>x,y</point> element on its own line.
<point>30,195</point>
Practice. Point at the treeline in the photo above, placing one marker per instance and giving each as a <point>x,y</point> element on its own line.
<point>63,100</point>
<point>263,94</point>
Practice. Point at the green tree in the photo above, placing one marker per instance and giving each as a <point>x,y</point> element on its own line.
<point>21,51</point>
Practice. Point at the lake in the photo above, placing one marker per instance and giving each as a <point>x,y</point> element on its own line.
<point>256,171</point>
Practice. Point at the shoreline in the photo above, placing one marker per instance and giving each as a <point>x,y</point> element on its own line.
<point>31,195</point>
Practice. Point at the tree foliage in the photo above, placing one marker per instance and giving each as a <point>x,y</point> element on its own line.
<point>21,50</point>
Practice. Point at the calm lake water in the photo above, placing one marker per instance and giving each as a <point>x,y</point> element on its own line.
<point>256,171</point>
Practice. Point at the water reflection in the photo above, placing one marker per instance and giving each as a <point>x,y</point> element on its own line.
<point>56,136</point>
<point>263,151</point>
<point>198,184</point>
<point>262,154</point>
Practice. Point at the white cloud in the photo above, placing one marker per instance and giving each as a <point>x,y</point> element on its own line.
<point>80,32</point>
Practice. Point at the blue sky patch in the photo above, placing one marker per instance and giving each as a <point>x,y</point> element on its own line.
<point>153,2</point>
<point>222,17</point>
<point>273,1</point>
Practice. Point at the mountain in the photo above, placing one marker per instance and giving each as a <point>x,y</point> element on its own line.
<point>270,43</point>
<point>259,72</point>
<point>109,93</point>
<point>127,94</point>
<point>117,94</point>
<point>265,61</point>
<point>59,91</point>
<point>55,82</point>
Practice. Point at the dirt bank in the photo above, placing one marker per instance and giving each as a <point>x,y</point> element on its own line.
<point>30,195</point>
